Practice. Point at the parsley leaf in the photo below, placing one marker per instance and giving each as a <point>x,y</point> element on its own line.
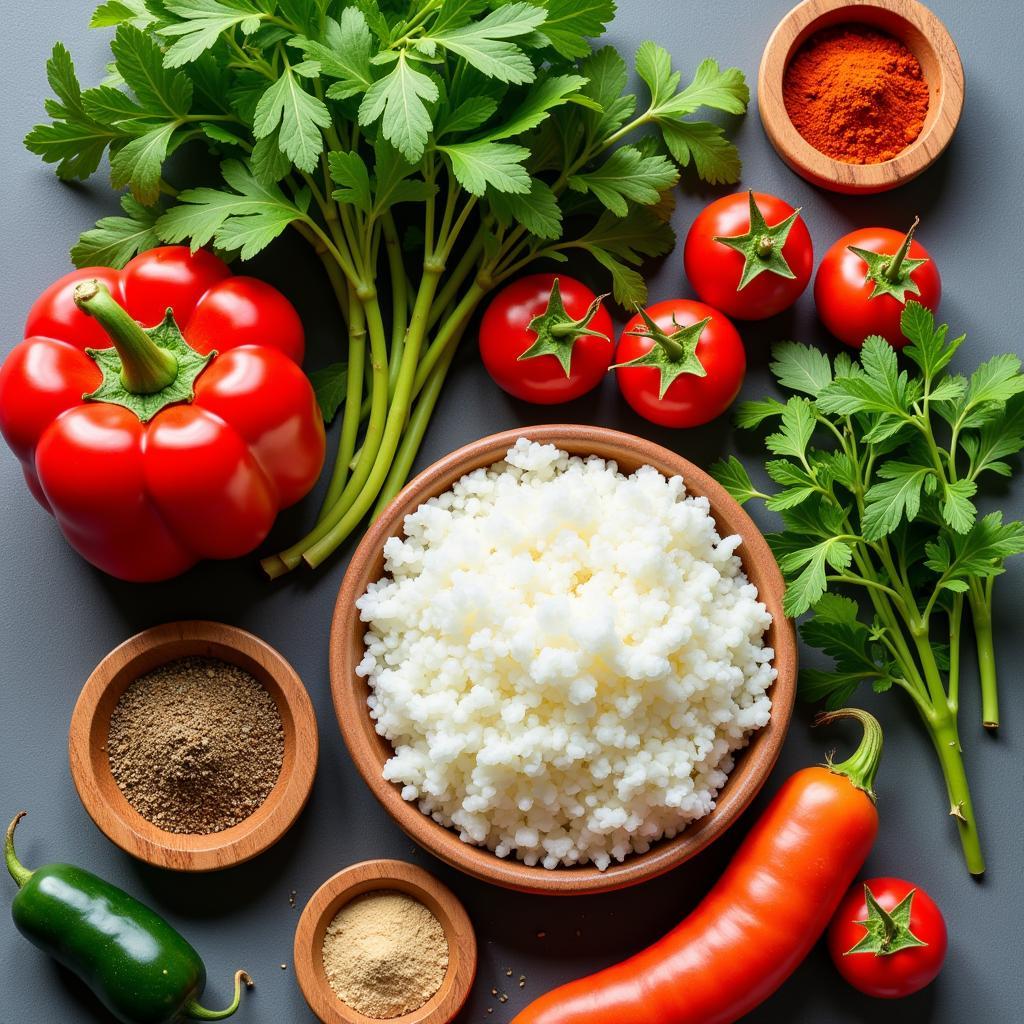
<point>627,175</point>
<point>343,55</point>
<point>74,141</point>
<point>115,240</point>
<point>483,164</point>
<point>732,475</point>
<point>162,92</point>
<point>298,117</point>
<point>248,218</point>
<point>398,100</point>
<point>801,368</point>
<point>202,25</point>
<point>484,44</point>
<point>620,243</point>
<point>571,23</point>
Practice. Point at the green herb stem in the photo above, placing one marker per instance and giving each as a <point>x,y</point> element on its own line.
<point>399,301</point>
<point>418,421</point>
<point>456,278</point>
<point>452,328</point>
<point>980,598</point>
<point>961,807</point>
<point>353,399</point>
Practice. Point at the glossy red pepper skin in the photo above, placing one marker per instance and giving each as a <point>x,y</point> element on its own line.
<point>751,931</point>
<point>201,479</point>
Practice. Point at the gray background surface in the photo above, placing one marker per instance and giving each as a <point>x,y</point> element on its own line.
<point>58,617</point>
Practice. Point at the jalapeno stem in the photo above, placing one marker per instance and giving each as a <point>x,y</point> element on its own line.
<point>197,1012</point>
<point>19,872</point>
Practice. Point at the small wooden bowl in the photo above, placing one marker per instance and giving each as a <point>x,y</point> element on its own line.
<point>928,39</point>
<point>365,877</point>
<point>370,751</point>
<point>107,805</point>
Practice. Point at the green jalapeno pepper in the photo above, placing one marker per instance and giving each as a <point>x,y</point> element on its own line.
<point>139,967</point>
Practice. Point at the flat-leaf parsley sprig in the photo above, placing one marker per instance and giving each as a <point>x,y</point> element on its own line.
<point>490,127</point>
<point>878,468</point>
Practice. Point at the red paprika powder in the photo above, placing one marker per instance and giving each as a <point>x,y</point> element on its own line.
<point>856,94</point>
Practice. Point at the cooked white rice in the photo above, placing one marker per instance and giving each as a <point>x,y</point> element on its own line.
<point>564,658</point>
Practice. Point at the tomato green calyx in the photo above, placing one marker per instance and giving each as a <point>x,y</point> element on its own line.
<point>862,766</point>
<point>671,354</point>
<point>148,368</point>
<point>17,870</point>
<point>557,332</point>
<point>886,931</point>
<point>891,275</point>
<point>761,246</point>
<point>194,1011</point>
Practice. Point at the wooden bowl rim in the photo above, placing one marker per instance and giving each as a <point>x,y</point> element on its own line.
<point>361,738</point>
<point>368,876</point>
<point>128,829</point>
<point>823,170</point>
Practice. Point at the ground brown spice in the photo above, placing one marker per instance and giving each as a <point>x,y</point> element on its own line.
<point>385,954</point>
<point>196,745</point>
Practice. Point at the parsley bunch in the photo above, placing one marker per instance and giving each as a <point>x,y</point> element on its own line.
<point>482,134</point>
<point>879,469</point>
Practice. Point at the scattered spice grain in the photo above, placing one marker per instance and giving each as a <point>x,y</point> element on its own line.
<point>385,954</point>
<point>856,94</point>
<point>196,745</point>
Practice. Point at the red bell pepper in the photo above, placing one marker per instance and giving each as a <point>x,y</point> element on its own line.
<point>184,439</point>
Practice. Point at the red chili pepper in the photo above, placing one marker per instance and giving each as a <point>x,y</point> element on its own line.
<point>758,922</point>
<point>182,441</point>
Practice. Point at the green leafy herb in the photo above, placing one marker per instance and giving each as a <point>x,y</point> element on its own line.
<point>879,467</point>
<point>432,149</point>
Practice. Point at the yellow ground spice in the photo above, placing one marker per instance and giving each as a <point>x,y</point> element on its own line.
<point>385,954</point>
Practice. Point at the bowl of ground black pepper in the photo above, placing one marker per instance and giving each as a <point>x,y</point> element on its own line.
<point>863,96</point>
<point>193,746</point>
<point>385,941</point>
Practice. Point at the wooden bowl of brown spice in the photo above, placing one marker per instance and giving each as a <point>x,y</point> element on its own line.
<point>863,96</point>
<point>385,941</point>
<point>193,746</point>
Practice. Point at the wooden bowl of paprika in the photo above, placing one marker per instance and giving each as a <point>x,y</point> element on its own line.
<point>108,806</point>
<point>831,117</point>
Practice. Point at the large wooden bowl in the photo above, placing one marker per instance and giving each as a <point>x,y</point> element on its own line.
<point>929,41</point>
<point>369,876</point>
<point>370,751</point>
<point>107,805</point>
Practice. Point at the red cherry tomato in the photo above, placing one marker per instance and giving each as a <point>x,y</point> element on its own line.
<point>899,949</point>
<point>846,281</point>
<point>546,338</point>
<point>689,399</point>
<point>772,251</point>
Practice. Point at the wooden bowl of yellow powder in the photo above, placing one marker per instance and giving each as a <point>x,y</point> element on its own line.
<point>385,941</point>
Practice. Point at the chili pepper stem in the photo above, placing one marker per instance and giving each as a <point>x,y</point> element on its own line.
<point>892,271</point>
<point>862,766</point>
<point>146,368</point>
<point>18,871</point>
<point>196,1012</point>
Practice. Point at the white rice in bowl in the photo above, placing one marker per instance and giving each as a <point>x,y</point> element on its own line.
<point>564,658</point>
